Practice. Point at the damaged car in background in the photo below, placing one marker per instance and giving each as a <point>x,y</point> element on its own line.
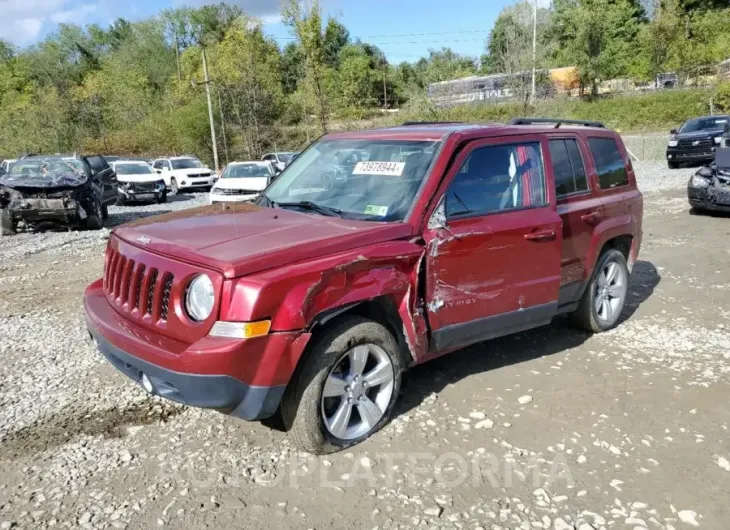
<point>709,187</point>
<point>46,191</point>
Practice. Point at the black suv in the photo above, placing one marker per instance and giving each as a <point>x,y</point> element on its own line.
<point>69,190</point>
<point>696,140</point>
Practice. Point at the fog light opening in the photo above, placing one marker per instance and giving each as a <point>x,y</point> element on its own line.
<point>147,384</point>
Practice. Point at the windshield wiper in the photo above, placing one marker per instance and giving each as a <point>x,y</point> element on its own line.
<point>309,205</point>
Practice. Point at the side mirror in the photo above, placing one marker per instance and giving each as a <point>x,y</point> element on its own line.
<point>438,217</point>
<point>673,131</point>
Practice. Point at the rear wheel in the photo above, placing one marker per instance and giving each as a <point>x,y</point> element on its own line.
<point>163,198</point>
<point>673,165</point>
<point>8,226</point>
<point>345,388</point>
<point>173,186</point>
<point>121,201</point>
<point>605,297</point>
<point>105,212</point>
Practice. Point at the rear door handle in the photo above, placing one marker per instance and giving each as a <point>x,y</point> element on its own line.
<point>541,235</point>
<point>591,218</point>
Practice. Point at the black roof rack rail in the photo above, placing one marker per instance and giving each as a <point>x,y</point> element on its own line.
<point>411,123</point>
<point>555,121</point>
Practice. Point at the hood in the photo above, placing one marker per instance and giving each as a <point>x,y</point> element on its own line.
<point>192,171</point>
<point>243,238</point>
<point>152,177</point>
<point>705,133</point>
<point>63,180</point>
<point>247,183</point>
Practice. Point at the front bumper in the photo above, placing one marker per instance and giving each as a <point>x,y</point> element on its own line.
<point>246,379</point>
<point>66,211</point>
<point>186,182</point>
<point>134,194</point>
<point>711,198</point>
<point>679,155</point>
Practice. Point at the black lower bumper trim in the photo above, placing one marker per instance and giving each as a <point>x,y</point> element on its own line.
<point>220,392</point>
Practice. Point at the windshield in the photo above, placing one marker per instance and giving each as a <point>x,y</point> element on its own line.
<point>240,171</point>
<point>46,168</point>
<point>186,163</point>
<point>132,169</point>
<point>702,124</point>
<point>363,179</point>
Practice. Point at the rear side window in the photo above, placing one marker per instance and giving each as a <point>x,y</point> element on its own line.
<point>570,173</point>
<point>609,163</point>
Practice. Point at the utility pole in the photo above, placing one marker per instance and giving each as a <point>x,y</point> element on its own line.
<point>210,113</point>
<point>385,84</point>
<point>177,56</point>
<point>534,54</point>
<point>223,123</point>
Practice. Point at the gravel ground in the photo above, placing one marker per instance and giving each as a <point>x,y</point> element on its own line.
<point>546,429</point>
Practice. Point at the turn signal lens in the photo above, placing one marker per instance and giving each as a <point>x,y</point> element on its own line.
<point>241,330</point>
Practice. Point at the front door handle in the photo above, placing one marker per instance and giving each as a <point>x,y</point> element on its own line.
<point>541,235</point>
<point>591,218</point>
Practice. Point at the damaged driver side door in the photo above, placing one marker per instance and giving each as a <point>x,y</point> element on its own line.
<point>493,245</point>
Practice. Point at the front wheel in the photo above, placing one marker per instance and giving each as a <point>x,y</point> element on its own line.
<point>173,186</point>
<point>95,218</point>
<point>345,388</point>
<point>605,296</point>
<point>162,198</point>
<point>673,165</point>
<point>7,224</point>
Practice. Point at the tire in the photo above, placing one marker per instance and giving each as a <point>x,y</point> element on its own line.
<point>105,212</point>
<point>696,210</point>
<point>95,219</point>
<point>174,190</point>
<point>672,165</point>
<point>121,201</point>
<point>163,198</point>
<point>590,318</point>
<point>7,225</point>
<point>305,410</point>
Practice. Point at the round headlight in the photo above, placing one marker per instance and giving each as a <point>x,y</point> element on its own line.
<point>200,298</point>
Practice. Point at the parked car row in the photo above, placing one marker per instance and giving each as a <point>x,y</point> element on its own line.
<point>75,191</point>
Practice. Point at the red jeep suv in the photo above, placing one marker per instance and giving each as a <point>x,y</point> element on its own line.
<point>372,252</point>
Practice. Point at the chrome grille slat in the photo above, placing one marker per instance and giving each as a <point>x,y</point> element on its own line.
<point>165,302</point>
<point>151,292</point>
<point>136,298</point>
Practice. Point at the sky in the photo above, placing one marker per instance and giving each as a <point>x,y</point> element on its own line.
<point>404,29</point>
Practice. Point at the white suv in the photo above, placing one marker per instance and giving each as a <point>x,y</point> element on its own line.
<point>180,172</point>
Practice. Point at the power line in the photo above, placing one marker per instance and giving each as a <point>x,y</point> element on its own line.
<point>407,34</point>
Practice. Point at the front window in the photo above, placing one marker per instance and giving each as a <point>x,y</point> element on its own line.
<point>246,171</point>
<point>704,124</point>
<point>43,169</point>
<point>186,163</point>
<point>133,169</point>
<point>380,186</point>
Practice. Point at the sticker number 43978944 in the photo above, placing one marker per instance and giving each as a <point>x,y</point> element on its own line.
<point>389,169</point>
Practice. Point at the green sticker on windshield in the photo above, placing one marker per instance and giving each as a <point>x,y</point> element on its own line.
<point>380,211</point>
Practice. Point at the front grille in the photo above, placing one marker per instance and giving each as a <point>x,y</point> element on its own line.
<point>236,192</point>
<point>135,287</point>
<point>702,145</point>
<point>144,186</point>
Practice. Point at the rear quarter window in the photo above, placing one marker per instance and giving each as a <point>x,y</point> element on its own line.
<point>610,165</point>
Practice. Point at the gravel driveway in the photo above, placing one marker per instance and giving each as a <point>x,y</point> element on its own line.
<point>551,428</point>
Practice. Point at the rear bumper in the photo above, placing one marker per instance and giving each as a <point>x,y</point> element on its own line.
<point>246,379</point>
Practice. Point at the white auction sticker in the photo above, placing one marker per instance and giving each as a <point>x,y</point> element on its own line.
<point>389,169</point>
